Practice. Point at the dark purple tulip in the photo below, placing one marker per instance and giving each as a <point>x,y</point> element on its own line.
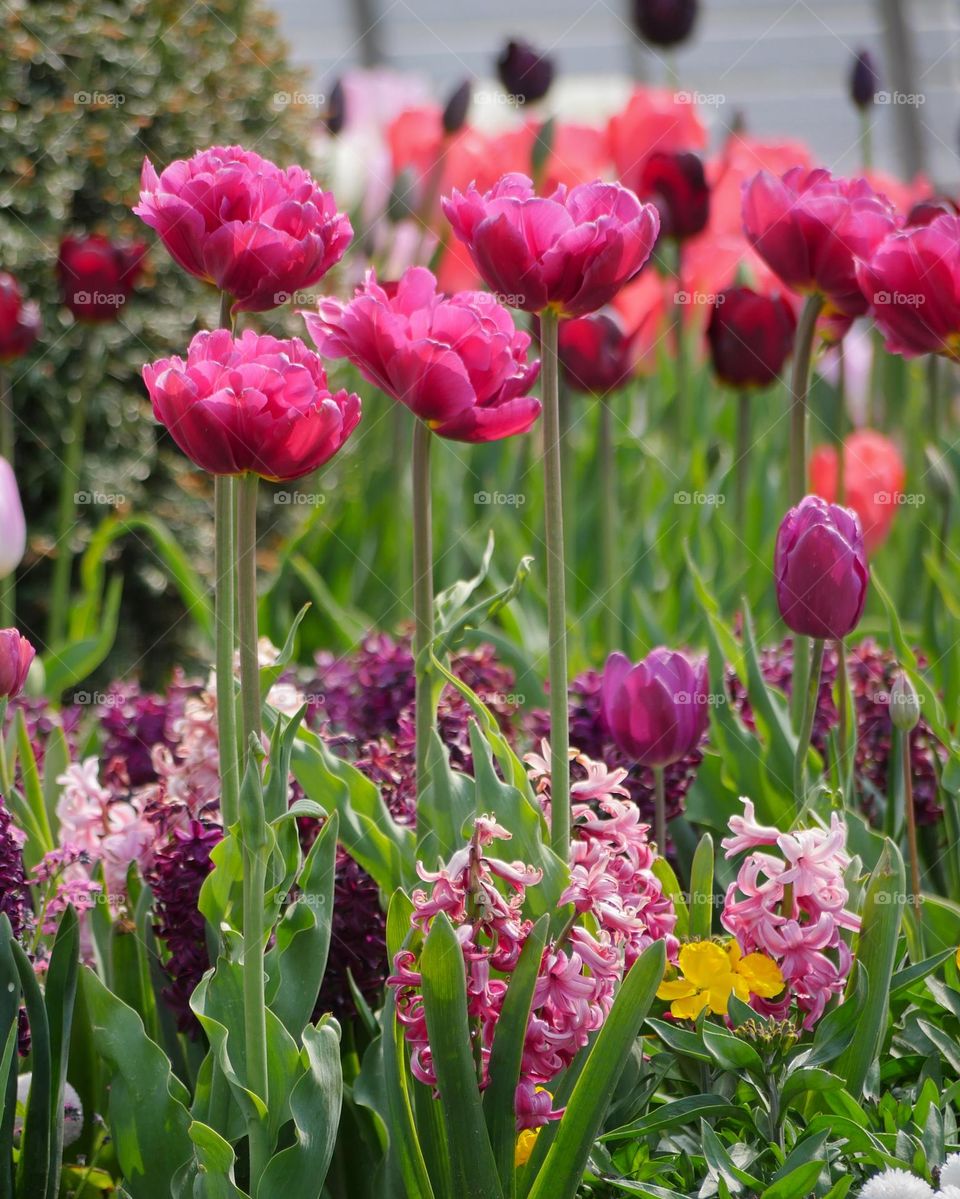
<point>676,183</point>
<point>864,80</point>
<point>336,115</point>
<point>750,337</point>
<point>665,22</point>
<point>16,654</point>
<point>657,710</point>
<point>524,72</point>
<point>821,569</point>
<point>595,352</point>
<point>457,106</point>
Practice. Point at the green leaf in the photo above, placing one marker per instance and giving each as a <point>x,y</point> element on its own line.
<point>837,1028</point>
<point>905,978</point>
<point>701,889</point>
<point>560,1175</point>
<point>298,1171</point>
<point>209,1175</point>
<point>147,1115</point>
<point>507,1054</point>
<point>799,1181</point>
<point>807,1079</point>
<point>60,995</point>
<point>678,1113</point>
<point>730,1051</point>
<point>680,1040</point>
<point>65,665</point>
<point>404,1141</point>
<point>670,884</point>
<point>445,1007</point>
<point>33,1168</point>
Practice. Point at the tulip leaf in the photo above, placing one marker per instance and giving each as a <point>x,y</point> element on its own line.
<point>701,889</point>
<point>67,664</point>
<point>60,994</point>
<point>33,1168</point>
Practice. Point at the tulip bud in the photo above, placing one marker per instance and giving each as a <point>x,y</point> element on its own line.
<point>336,114</point>
<point>13,526</point>
<point>595,352</point>
<point>750,337</point>
<point>524,72</point>
<point>97,275</point>
<point>904,704</point>
<point>456,108</point>
<point>925,211</point>
<point>19,322</point>
<point>677,185</point>
<point>821,569</point>
<point>16,654</point>
<point>864,80</point>
<point>656,711</point>
<point>665,22</point>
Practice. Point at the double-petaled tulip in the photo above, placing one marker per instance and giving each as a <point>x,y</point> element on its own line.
<point>97,275</point>
<point>665,22</point>
<point>251,404</point>
<point>912,281</point>
<point>821,569</point>
<point>656,711</point>
<point>16,654</point>
<point>525,72</point>
<point>676,183</point>
<point>571,251</point>
<point>12,522</point>
<point>257,232</point>
<point>750,337</point>
<point>873,479</point>
<point>457,362</point>
<point>811,230</point>
<point>596,352</point>
<point>19,321</point>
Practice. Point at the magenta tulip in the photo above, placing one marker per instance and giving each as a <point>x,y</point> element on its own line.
<point>656,711</point>
<point>912,282</point>
<point>234,219</point>
<point>811,229</point>
<point>19,321</point>
<point>16,654</point>
<point>97,275</point>
<point>457,362</point>
<point>572,251</point>
<point>251,404</point>
<point>821,569</point>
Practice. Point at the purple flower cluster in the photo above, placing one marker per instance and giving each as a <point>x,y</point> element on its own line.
<point>133,723</point>
<point>13,885</point>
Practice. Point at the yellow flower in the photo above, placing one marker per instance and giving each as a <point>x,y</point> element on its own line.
<point>711,971</point>
<point>525,1143</point>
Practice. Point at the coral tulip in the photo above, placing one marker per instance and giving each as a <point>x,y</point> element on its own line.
<point>655,120</point>
<point>97,275</point>
<point>873,474</point>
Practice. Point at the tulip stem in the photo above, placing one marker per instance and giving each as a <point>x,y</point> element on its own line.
<point>8,586</point>
<point>254,1002</point>
<point>903,736</point>
<point>608,516</point>
<point>660,810</point>
<point>933,391</point>
<point>742,460</point>
<point>679,350</point>
<point>247,605</point>
<point>799,386</point>
<point>225,599</point>
<point>556,591</point>
<point>422,597</point>
<point>843,700</point>
<point>806,725</point>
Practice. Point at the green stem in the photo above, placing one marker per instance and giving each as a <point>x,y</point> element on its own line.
<point>866,139</point>
<point>933,392</point>
<point>905,757</point>
<point>679,350</point>
<point>806,725</point>
<point>660,810</point>
<point>8,586</point>
<point>254,1004</point>
<point>608,519</point>
<point>225,601</point>
<point>6,782</point>
<point>247,606</point>
<point>424,714</point>
<point>840,425</point>
<point>843,695</point>
<point>556,591</point>
<point>742,465</point>
<point>799,386</point>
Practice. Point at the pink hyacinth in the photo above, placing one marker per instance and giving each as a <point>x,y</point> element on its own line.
<point>251,403</point>
<point>234,219</point>
<point>457,362</point>
<point>806,942</point>
<point>571,251</point>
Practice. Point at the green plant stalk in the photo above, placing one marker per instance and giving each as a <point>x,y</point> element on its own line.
<point>424,714</point>
<point>8,586</point>
<point>806,723</point>
<point>866,140</point>
<point>246,488</point>
<point>843,732</point>
<point>742,459</point>
<point>254,1004</point>
<point>66,503</point>
<point>680,356</point>
<point>225,602</point>
<point>556,591</point>
<point>608,518</point>
<point>799,387</point>
<point>903,736</point>
<point>933,396</point>
<point>660,810</point>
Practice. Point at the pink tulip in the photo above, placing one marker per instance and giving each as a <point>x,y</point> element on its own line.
<point>251,403</point>
<point>572,251</point>
<point>457,362</point>
<point>236,220</point>
<point>16,654</point>
<point>12,521</point>
<point>19,321</point>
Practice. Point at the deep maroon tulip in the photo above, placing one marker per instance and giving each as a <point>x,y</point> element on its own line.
<point>335,116</point>
<point>457,362</point>
<point>16,654</point>
<point>811,230</point>
<point>97,275</point>
<point>864,80</point>
<point>19,321</point>
<point>677,185</point>
<point>821,569</point>
<point>925,212</point>
<point>750,337</point>
<point>456,108</point>
<point>596,352</point>
<point>572,251</point>
<point>665,22</point>
<point>251,403</point>
<point>656,711</point>
<point>913,284</point>
<point>524,72</point>
<point>258,233</point>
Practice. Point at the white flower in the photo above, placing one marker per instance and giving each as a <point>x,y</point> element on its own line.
<point>897,1184</point>
<point>948,1192</point>
<point>950,1174</point>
